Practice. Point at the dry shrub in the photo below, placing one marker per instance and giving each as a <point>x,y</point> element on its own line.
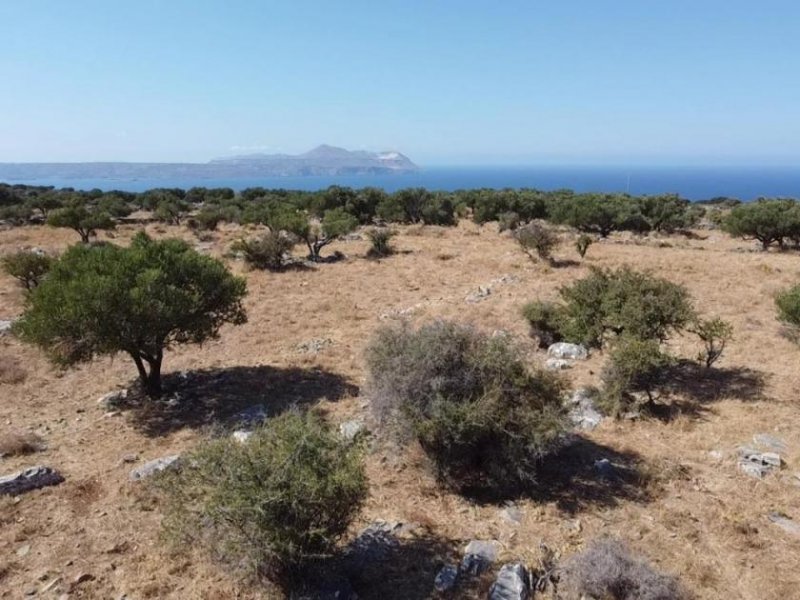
<point>479,413</point>
<point>606,570</point>
<point>11,372</point>
<point>18,443</point>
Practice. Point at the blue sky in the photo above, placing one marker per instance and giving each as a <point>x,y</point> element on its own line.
<point>445,81</point>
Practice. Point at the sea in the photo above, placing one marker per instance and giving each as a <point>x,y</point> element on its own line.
<point>694,183</point>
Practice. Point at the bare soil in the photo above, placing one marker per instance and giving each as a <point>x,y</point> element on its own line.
<point>692,513</point>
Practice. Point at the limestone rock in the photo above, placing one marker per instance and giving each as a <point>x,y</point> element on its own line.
<point>482,293</point>
<point>446,578</point>
<point>29,479</point>
<point>350,429</point>
<point>478,555</point>
<point>584,414</point>
<point>569,351</point>
<point>241,435</point>
<point>557,364</point>
<point>785,523</point>
<point>113,400</point>
<point>512,583</point>
<point>155,466</point>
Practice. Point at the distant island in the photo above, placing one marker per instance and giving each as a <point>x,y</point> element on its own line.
<point>323,160</point>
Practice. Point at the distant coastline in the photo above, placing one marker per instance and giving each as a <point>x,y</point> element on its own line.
<point>694,183</point>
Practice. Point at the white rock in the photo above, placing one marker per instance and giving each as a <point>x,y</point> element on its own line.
<point>350,429</point>
<point>155,466</point>
<point>241,435</point>
<point>557,364</point>
<point>566,350</point>
<point>785,523</point>
<point>478,555</point>
<point>5,326</point>
<point>512,583</point>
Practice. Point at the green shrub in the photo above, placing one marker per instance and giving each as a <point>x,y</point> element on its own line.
<point>379,237</point>
<point>582,244</point>
<point>439,210</point>
<point>508,221</point>
<point>104,299</point>
<point>29,268</point>
<point>206,219</point>
<point>635,366</point>
<point>545,319</point>
<point>483,418</point>
<point>715,335</point>
<point>265,252</point>
<point>274,504</point>
<point>622,301</point>
<point>535,238</point>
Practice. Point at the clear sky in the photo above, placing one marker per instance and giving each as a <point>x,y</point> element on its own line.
<point>444,81</point>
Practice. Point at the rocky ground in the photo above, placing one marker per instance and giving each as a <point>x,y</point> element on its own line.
<point>709,490</point>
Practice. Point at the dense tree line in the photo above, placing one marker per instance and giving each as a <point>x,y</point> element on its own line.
<point>305,213</point>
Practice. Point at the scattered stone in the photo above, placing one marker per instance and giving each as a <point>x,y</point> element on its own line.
<point>155,466</point>
<point>784,523</point>
<point>757,464</point>
<point>770,441</point>
<point>715,455</point>
<point>584,414</point>
<point>252,415</point>
<point>506,279</point>
<point>478,555</point>
<point>130,458</point>
<point>29,479</point>
<point>24,550</point>
<point>350,429</point>
<point>241,435</point>
<point>512,583</point>
<point>314,346</point>
<point>113,400</point>
<point>374,544</point>
<point>512,513</point>
<point>570,351</point>
<point>446,578</point>
<point>482,293</point>
<point>605,468</point>
<point>5,326</point>
<point>557,364</point>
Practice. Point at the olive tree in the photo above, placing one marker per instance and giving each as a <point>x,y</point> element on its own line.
<point>83,220</point>
<point>334,224</point>
<point>140,300</point>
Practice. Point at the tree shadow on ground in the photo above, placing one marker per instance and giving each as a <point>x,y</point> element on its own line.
<point>558,263</point>
<point>378,566</point>
<point>706,385</point>
<point>406,572</point>
<point>207,397</point>
<point>581,475</point>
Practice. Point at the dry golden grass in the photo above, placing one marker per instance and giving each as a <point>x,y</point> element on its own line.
<point>14,443</point>
<point>689,513</point>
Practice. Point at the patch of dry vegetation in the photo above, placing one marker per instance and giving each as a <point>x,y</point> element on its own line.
<point>692,512</point>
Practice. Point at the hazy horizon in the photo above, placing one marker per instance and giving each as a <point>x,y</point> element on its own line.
<point>447,84</point>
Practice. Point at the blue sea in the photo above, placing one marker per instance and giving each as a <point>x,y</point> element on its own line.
<point>694,183</point>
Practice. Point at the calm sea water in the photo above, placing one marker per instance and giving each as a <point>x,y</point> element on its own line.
<point>695,183</point>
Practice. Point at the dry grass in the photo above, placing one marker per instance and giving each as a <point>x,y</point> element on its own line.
<point>18,444</point>
<point>11,372</point>
<point>694,515</point>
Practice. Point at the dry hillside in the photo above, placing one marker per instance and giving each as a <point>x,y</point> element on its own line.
<point>686,506</point>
